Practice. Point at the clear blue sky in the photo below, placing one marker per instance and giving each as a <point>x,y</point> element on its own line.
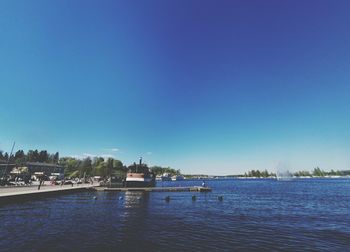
<point>216,87</point>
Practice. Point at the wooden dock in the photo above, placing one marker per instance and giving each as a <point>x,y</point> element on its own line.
<point>18,194</point>
<point>157,189</point>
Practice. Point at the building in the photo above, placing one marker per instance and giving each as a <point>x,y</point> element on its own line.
<point>40,169</point>
<point>34,169</point>
<point>6,169</point>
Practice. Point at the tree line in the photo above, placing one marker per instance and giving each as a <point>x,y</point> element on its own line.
<point>20,157</point>
<point>100,166</point>
<point>97,166</point>
<point>74,167</point>
<point>317,172</point>
<point>259,174</point>
<point>158,170</point>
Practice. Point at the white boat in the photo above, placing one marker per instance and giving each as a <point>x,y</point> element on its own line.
<point>139,175</point>
<point>177,178</point>
<point>166,177</point>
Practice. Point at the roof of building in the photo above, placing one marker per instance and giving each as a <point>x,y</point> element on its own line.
<point>43,164</point>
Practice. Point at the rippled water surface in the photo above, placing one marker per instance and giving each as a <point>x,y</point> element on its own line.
<point>308,214</point>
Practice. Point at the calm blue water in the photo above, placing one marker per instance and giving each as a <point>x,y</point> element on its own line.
<point>264,215</point>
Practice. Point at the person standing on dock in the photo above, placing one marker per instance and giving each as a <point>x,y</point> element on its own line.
<point>40,182</point>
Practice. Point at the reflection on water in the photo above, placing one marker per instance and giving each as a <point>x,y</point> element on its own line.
<point>135,199</point>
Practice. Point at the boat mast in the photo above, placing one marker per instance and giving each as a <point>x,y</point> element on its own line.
<point>139,165</point>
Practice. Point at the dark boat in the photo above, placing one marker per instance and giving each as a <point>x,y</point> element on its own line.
<point>139,175</point>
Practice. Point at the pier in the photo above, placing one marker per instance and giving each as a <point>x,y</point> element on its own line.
<point>16,194</point>
<point>157,189</point>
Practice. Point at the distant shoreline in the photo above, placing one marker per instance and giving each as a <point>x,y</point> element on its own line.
<point>294,177</point>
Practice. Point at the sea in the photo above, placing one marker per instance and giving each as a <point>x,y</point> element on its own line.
<point>253,215</point>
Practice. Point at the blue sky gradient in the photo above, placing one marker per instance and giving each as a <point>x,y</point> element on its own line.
<point>216,87</point>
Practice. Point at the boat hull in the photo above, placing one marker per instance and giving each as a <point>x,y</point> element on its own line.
<point>140,176</point>
<point>133,183</point>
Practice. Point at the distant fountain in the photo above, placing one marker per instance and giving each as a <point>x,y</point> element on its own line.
<point>283,173</point>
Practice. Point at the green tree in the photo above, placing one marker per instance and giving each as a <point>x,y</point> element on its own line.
<point>85,167</point>
<point>56,157</point>
<point>101,169</point>
<point>97,166</point>
<point>20,157</point>
<point>6,156</point>
<point>158,170</point>
<point>302,174</point>
<point>70,165</point>
<point>264,174</point>
<point>33,156</point>
<point>109,167</point>
<point>119,169</point>
<point>43,156</point>
<point>318,172</point>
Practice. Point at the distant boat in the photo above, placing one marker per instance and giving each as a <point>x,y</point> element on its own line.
<point>139,175</point>
<point>177,178</point>
<point>166,177</point>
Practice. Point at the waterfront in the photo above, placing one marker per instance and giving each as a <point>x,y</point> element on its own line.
<point>307,214</point>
